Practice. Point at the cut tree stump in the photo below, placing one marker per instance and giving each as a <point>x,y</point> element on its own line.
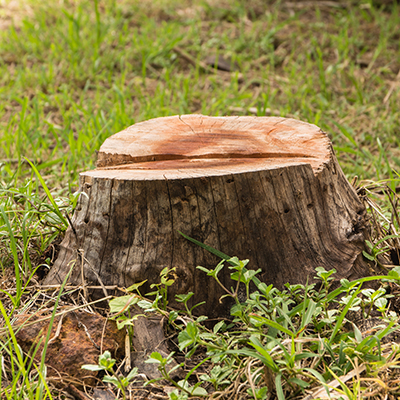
<point>263,188</point>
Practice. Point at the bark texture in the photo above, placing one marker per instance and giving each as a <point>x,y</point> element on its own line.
<point>263,188</point>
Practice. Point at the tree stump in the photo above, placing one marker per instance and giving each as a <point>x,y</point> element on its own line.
<point>263,188</point>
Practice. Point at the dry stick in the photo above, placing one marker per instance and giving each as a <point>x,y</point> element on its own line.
<point>128,363</point>
<point>44,287</point>
<point>243,385</point>
<point>12,161</point>
<point>81,253</point>
<point>58,330</point>
<point>85,293</point>
<point>2,330</point>
<point>68,379</point>
<point>372,205</point>
<point>226,392</point>
<point>102,336</point>
<point>197,63</point>
<point>191,60</point>
<point>98,278</point>
<point>88,334</point>
<point>237,388</point>
<point>77,393</point>
<point>321,391</point>
<point>392,86</point>
<point>306,4</point>
<point>356,367</point>
<point>254,110</point>
<point>250,379</point>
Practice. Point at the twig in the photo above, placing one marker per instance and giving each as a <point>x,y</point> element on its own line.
<point>378,212</point>
<point>25,323</point>
<point>58,330</point>
<point>321,391</point>
<point>13,161</point>
<point>112,287</point>
<point>186,56</point>
<point>318,3</point>
<point>254,110</point>
<point>85,293</point>
<point>97,276</point>
<point>128,363</point>
<point>250,379</point>
<point>88,334</point>
<point>251,110</point>
<point>76,393</point>
<point>102,336</point>
<point>202,65</point>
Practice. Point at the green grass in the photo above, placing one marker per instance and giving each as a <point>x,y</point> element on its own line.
<point>71,76</point>
<point>74,72</point>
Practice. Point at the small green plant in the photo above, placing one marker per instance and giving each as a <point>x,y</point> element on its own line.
<point>218,376</point>
<point>106,363</point>
<point>184,298</point>
<point>279,329</point>
<point>376,249</point>
<point>183,389</point>
<point>161,292</point>
<point>378,298</point>
<point>120,307</point>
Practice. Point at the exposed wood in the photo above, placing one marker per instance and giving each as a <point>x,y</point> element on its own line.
<point>264,188</point>
<point>77,338</point>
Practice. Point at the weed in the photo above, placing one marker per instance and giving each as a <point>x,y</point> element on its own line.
<point>106,363</point>
<point>291,337</point>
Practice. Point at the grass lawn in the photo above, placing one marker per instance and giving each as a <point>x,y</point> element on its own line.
<point>74,72</point>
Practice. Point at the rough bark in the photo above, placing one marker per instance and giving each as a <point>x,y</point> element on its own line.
<point>263,188</point>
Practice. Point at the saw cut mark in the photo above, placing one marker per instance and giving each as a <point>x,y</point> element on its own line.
<point>197,137</point>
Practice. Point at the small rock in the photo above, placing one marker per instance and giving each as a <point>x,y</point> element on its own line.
<point>103,394</point>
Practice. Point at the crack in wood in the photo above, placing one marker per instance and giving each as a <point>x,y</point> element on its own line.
<point>131,163</point>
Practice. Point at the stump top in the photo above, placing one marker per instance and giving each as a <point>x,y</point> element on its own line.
<point>195,145</point>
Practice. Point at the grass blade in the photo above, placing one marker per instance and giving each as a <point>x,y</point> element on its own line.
<point>13,245</point>
<point>49,195</point>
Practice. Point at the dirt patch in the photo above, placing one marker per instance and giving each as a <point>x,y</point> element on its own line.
<point>12,12</point>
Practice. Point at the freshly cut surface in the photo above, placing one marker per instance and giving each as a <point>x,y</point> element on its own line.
<point>199,144</point>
